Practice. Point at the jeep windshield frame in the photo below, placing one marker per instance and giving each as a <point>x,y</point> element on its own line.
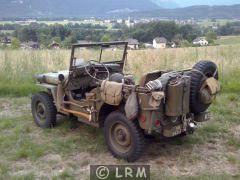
<point>102,45</point>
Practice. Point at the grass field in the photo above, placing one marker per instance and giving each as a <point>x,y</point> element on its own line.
<point>209,22</point>
<point>228,40</point>
<point>28,152</point>
<point>18,67</point>
<point>6,31</point>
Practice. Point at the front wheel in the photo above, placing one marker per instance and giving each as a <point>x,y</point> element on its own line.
<point>43,110</point>
<point>124,138</point>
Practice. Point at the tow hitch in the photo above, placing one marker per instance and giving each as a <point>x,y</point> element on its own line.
<point>191,127</point>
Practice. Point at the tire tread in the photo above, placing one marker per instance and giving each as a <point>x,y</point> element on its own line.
<point>136,130</point>
<point>50,107</point>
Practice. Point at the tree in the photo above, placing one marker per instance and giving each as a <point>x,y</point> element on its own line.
<point>44,39</point>
<point>57,39</point>
<point>211,36</point>
<point>146,32</point>
<point>189,32</point>
<point>177,39</point>
<point>185,43</point>
<point>15,44</point>
<point>67,43</point>
<point>27,34</point>
<point>230,29</point>
<point>105,38</point>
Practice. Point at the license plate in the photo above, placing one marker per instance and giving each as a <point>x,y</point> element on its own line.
<point>173,131</point>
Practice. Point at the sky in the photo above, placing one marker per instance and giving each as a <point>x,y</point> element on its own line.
<point>184,3</point>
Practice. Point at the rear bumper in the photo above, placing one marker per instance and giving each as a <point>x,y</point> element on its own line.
<point>187,125</point>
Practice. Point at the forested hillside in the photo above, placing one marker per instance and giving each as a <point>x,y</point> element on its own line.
<point>197,12</point>
<point>111,9</point>
<point>73,8</point>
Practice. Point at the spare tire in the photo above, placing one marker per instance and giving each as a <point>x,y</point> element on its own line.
<point>199,73</point>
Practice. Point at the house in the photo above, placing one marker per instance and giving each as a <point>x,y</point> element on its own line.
<point>30,45</point>
<point>129,23</point>
<point>54,45</point>
<point>133,44</point>
<point>6,41</point>
<point>107,21</point>
<point>200,42</point>
<point>160,43</point>
<point>119,21</point>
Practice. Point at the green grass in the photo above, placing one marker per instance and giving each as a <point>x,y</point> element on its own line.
<point>29,176</point>
<point>199,177</point>
<point>18,89</point>
<point>21,140</point>
<point>64,175</point>
<point>6,31</point>
<point>19,143</point>
<point>228,40</point>
<point>232,159</point>
<point>233,141</point>
<point>208,22</point>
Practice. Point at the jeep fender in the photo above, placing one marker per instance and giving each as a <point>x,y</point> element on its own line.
<point>52,89</point>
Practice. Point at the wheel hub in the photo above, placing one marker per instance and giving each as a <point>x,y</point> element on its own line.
<point>121,137</point>
<point>40,111</point>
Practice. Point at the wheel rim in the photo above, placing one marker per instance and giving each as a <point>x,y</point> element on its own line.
<point>120,137</point>
<point>40,112</point>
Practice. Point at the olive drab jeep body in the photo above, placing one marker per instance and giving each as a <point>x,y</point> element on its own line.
<point>96,91</point>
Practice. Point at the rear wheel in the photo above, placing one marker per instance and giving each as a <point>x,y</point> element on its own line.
<point>124,138</point>
<point>43,110</point>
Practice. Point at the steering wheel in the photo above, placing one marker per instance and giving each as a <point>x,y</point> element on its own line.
<point>94,72</point>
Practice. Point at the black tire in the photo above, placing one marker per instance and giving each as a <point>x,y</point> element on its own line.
<point>209,69</point>
<point>129,144</point>
<point>43,110</point>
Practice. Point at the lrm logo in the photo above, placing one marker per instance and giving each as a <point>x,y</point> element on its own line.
<point>119,172</point>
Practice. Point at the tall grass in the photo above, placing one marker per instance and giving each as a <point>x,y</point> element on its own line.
<point>17,67</point>
<point>227,59</point>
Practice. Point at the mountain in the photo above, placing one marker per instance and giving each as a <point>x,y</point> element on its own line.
<point>185,3</point>
<point>71,8</point>
<point>168,4</point>
<point>117,8</point>
<point>197,12</point>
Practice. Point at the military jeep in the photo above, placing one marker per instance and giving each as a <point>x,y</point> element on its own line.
<point>96,91</point>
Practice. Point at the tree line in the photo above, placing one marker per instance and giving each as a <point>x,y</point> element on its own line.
<point>144,32</point>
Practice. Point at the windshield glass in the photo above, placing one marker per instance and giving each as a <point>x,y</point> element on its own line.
<point>100,53</point>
